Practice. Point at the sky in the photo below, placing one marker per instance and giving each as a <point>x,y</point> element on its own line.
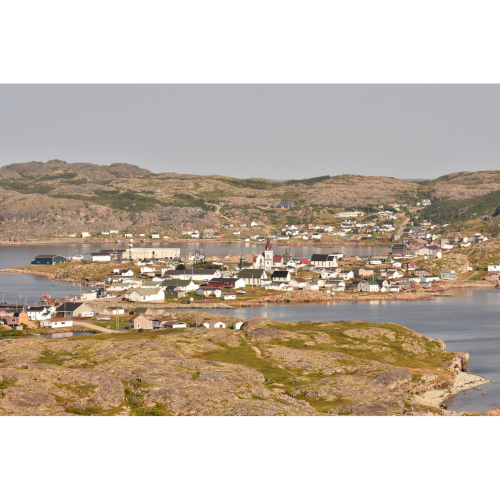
<point>271,131</point>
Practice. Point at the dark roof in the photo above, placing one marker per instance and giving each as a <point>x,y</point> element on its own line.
<point>70,306</point>
<point>322,257</point>
<point>224,280</point>
<point>280,274</point>
<point>250,273</point>
<point>48,256</point>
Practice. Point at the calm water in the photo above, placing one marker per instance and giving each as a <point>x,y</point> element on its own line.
<point>22,255</point>
<point>466,322</point>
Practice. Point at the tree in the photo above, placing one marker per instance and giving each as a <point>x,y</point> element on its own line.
<point>180,267</point>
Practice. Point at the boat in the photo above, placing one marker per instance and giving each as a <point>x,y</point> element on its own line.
<point>55,284</point>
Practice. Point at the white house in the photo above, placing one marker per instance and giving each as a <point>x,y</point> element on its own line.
<point>229,296</point>
<point>214,324</point>
<point>38,313</point>
<point>101,257</point>
<point>85,234</point>
<point>370,286</point>
<point>209,292</point>
<point>147,269</point>
<point>323,260</point>
<point>128,235</point>
<point>493,267</point>
<point>155,235</point>
<point>145,295</point>
<point>56,323</point>
<point>237,325</point>
<point>312,285</point>
<point>124,272</point>
<point>346,274</point>
<point>89,295</point>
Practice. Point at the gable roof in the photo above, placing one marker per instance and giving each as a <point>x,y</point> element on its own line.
<point>280,274</point>
<point>322,257</point>
<point>176,282</point>
<point>146,291</point>
<point>251,273</point>
<point>71,306</point>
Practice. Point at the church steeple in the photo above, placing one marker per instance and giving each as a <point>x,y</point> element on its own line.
<point>268,244</point>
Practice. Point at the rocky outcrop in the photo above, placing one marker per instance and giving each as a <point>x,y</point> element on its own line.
<point>393,378</point>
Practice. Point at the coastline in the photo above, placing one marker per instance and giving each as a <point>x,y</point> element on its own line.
<point>438,397</point>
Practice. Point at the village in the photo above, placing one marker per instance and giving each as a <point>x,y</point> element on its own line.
<point>143,279</point>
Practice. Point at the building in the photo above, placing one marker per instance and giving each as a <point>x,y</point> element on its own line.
<point>56,323</point>
<point>493,267</point>
<point>267,260</point>
<point>323,260</point>
<point>138,321</point>
<point>167,323</point>
<point>448,274</point>
<point>208,291</point>
<point>184,285</point>
<point>253,277</point>
<point>75,310</point>
<point>282,204</point>
<point>370,286</point>
<point>148,253</point>
<point>227,283</point>
<point>193,274</point>
<point>145,294</point>
<point>37,313</point>
<point>281,276</point>
<point>174,291</point>
<point>214,324</point>
<point>48,260</point>
<point>86,234</point>
<point>101,257</point>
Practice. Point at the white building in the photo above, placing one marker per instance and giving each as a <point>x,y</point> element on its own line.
<point>155,235</point>
<point>86,234</point>
<point>145,295</point>
<point>214,324</point>
<point>493,267</point>
<point>101,257</point>
<point>56,323</point>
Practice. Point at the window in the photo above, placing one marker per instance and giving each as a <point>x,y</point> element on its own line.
<point>138,325</point>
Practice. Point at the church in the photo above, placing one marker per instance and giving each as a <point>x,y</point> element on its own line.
<point>267,260</point>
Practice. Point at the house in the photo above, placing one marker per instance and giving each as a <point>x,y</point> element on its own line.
<point>147,269</point>
<point>116,311</point>
<point>491,277</point>
<point>159,323</point>
<point>248,223</point>
<point>355,286</point>
<point>336,285</point>
<point>346,274</point>
<point>37,313</point>
<point>155,235</point>
<point>208,233</point>
<point>493,267</point>
<point>298,283</point>
<point>214,324</point>
<point>174,291</point>
<point>75,310</point>
<point>399,249</point>
<point>282,204</point>
<point>124,272</point>
<point>56,323</point>
<point>448,274</point>
<point>370,286</point>
<point>237,325</point>
<point>184,285</point>
<point>86,234</point>
<point>361,273</point>
<point>227,282</point>
<point>281,276</point>
<point>193,274</point>
<point>140,321</point>
<point>145,295</point>
<point>209,292</point>
<point>312,285</point>
<point>253,276</point>
<point>229,296</point>
<point>323,260</point>
<point>89,295</point>
<point>48,260</point>
<point>100,257</point>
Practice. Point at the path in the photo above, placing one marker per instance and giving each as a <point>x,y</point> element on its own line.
<point>403,226</point>
<point>94,327</point>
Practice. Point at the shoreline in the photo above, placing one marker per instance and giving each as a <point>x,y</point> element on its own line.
<point>437,397</point>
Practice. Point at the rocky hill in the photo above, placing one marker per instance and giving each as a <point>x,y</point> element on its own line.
<point>268,368</point>
<point>45,197</point>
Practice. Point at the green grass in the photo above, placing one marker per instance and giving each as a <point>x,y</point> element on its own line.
<point>246,356</point>
<point>7,383</point>
<point>323,405</point>
<point>90,410</point>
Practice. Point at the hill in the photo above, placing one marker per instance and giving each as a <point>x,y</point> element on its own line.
<point>45,197</point>
<point>269,368</point>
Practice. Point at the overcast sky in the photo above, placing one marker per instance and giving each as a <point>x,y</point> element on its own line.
<point>272,131</point>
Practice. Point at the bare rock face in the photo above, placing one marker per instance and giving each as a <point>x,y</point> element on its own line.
<point>460,362</point>
<point>265,333</point>
<point>495,412</point>
<point>374,409</point>
<point>393,378</point>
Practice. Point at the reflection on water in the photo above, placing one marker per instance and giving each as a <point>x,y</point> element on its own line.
<point>57,335</point>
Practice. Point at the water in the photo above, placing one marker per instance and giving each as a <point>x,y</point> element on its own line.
<point>466,322</point>
<point>22,255</point>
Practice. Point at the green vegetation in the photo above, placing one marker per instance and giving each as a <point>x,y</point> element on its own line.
<point>90,410</point>
<point>7,383</point>
<point>252,183</point>
<point>455,210</point>
<point>309,182</point>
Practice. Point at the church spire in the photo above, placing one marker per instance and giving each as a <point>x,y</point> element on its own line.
<point>268,244</point>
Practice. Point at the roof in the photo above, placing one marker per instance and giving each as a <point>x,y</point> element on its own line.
<point>175,282</point>
<point>224,280</point>
<point>139,310</point>
<point>280,274</point>
<point>187,272</point>
<point>250,273</point>
<point>322,257</point>
<point>48,256</point>
<point>146,291</point>
<point>71,306</point>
